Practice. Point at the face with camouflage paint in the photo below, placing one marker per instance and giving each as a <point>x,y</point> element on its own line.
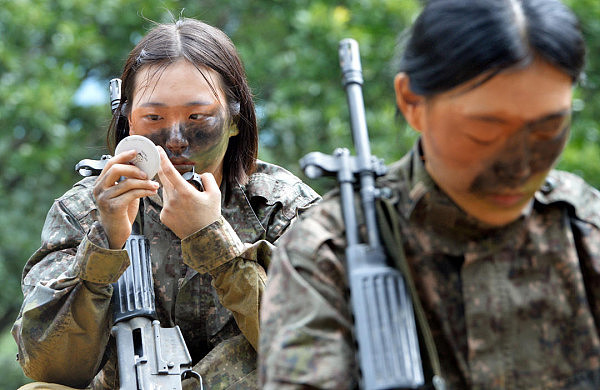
<point>490,147</point>
<point>183,109</point>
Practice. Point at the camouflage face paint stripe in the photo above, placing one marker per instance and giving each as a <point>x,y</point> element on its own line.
<point>519,160</point>
<point>203,141</point>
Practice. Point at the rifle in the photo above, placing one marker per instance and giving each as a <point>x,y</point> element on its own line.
<point>149,356</point>
<point>385,330</point>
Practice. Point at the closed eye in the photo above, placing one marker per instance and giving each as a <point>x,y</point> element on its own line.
<point>551,127</point>
<point>484,132</point>
<point>480,141</point>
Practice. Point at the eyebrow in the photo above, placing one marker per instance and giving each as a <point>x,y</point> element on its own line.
<point>189,104</point>
<point>498,119</point>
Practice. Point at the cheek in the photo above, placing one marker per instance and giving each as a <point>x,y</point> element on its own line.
<point>206,132</point>
<point>443,141</point>
<point>522,161</point>
<point>198,136</point>
<point>139,127</point>
<point>159,136</point>
<point>205,136</point>
<point>544,154</point>
<point>452,162</point>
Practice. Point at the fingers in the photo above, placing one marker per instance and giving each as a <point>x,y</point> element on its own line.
<point>168,175</point>
<point>111,193</point>
<point>121,162</point>
<point>126,191</point>
<point>118,199</point>
<point>115,202</point>
<point>185,209</point>
<point>117,167</point>
<point>209,183</point>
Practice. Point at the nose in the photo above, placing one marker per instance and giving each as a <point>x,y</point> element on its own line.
<point>519,169</point>
<point>515,166</point>
<point>176,142</point>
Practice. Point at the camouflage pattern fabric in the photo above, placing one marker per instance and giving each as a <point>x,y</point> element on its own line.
<point>210,283</point>
<point>515,307</point>
<point>227,367</point>
<point>44,386</point>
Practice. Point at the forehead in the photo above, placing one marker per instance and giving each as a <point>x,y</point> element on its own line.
<point>178,84</point>
<point>521,94</point>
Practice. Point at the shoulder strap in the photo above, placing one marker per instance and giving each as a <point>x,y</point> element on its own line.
<point>387,218</point>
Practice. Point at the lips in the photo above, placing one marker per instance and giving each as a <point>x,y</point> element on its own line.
<point>507,199</point>
<point>182,164</point>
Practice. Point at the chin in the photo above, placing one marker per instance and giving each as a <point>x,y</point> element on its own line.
<point>497,210</point>
<point>498,217</point>
<point>499,221</point>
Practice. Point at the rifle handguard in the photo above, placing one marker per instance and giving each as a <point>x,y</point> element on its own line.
<point>133,293</point>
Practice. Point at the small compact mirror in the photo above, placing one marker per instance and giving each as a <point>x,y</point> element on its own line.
<point>147,158</point>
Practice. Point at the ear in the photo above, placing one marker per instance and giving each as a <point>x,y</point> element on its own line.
<point>233,130</point>
<point>411,104</point>
<point>234,112</point>
<point>131,128</point>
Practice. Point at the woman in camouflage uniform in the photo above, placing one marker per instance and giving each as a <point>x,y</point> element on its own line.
<point>185,88</point>
<point>504,250</point>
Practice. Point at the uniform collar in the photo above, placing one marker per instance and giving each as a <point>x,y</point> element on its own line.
<point>240,214</point>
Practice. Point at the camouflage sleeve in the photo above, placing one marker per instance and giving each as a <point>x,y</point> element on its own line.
<point>238,268</point>
<point>587,236</point>
<point>64,322</point>
<point>584,201</point>
<point>306,324</point>
<point>238,275</point>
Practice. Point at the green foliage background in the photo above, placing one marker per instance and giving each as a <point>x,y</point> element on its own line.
<point>289,47</point>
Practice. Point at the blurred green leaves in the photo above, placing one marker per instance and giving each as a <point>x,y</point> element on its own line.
<point>289,48</point>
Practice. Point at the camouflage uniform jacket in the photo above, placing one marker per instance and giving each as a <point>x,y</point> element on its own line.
<point>516,307</point>
<point>209,283</point>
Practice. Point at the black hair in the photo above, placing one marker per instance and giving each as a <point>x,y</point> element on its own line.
<point>455,41</point>
<point>204,46</point>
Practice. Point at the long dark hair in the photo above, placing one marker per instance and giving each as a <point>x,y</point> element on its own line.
<point>204,46</point>
<point>455,41</point>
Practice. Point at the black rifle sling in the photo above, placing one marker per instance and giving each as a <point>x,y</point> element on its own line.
<point>387,218</point>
